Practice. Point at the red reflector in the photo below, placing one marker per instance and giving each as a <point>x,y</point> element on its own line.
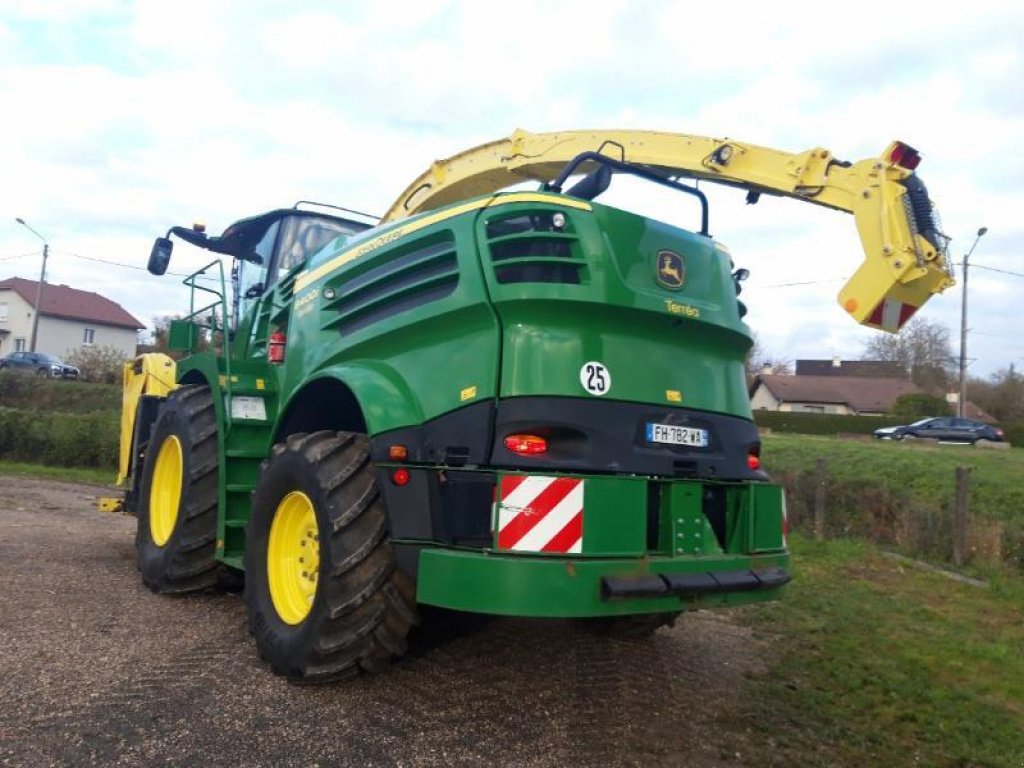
<point>398,453</point>
<point>400,476</point>
<point>904,156</point>
<point>526,445</point>
<point>754,462</point>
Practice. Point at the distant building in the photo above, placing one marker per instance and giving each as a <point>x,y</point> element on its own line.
<point>872,396</point>
<point>872,369</point>
<point>69,319</point>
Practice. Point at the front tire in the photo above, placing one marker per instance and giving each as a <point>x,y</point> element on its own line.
<point>177,517</point>
<point>325,597</point>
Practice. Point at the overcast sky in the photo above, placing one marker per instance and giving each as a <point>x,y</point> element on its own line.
<point>120,119</point>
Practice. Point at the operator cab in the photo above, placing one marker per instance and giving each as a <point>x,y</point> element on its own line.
<point>265,247</point>
<point>271,245</point>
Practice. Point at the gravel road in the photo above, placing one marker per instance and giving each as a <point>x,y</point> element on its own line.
<point>97,670</point>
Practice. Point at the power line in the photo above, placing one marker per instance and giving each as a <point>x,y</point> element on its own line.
<point>128,266</point>
<point>806,282</point>
<point>102,261</point>
<point>22,256</point>
<point>1002,271</point>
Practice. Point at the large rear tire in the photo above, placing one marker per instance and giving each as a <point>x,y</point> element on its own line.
<point>325,597</point>
<point>177,517</point>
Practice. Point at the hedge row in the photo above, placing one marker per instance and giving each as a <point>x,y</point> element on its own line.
<point>872,509</point>
<point>821,423</point>
<point>59,439</point>
<point>1014,433</point>
<point>18,390</point>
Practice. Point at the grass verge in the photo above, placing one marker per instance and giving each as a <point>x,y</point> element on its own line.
<point>875,663</point>
<point>67,474</point>
<point>902,494</point>
<point>922,469</point>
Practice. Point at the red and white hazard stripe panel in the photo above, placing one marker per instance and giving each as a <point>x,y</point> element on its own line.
<point>891,314</point>
<point>540,514</point>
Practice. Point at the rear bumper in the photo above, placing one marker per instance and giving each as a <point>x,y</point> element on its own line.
<point>692,584</point>
<point>518,585</point>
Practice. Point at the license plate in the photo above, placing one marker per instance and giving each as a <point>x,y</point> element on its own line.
<point>670,434</point>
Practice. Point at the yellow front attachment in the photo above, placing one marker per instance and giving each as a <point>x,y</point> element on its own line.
<point>165,494</point>
<point>293,558</point>
<point>149,374</point>
<point>901,269</point>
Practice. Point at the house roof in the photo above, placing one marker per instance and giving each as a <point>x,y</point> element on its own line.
<point>886,369</point>
<point>72,304</point>
<point>861,393</point>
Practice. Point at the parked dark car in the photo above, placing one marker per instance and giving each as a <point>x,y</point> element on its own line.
<point>946,428</point>
<point>39,364</point>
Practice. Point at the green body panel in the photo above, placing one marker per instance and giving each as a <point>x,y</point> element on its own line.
<point>497,339</point>
<point>409,365</point>
<point>614,523</point>
<point>182,335</point>
<point>654,341</point>
<point>518,585</point>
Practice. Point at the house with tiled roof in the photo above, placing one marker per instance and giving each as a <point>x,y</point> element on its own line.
<point>861,395</point>
<point>857,387</point>
<point>69,319</point>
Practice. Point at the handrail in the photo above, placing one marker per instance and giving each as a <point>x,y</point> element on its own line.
<point>222,326</point>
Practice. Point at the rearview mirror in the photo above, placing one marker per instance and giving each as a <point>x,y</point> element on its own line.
<point>160,256</point>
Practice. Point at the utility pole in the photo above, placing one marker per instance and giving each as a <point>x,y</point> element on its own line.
<point>962,396</point>
<point>39,288</point>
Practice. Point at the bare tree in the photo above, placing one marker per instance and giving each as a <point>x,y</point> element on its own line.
<point>922,347</point>
<point>759,360</point>
<point>1002,395</point>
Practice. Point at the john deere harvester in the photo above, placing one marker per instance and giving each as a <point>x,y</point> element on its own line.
<point>507,402</point>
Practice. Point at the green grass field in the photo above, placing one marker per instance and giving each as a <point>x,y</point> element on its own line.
<point>880,664</point>
<point>65,474</point>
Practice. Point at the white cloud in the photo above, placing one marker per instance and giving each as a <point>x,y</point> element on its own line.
<point>123,118</point>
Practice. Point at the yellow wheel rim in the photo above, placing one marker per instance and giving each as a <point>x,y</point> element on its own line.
<point>293,557</point>
<point>165,494</point>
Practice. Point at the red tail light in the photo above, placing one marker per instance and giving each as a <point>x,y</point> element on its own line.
<point>275,347</point>
<point>753,461</point>
<point>526,445</point>
<point>904,156</point>
<point>400,476</point>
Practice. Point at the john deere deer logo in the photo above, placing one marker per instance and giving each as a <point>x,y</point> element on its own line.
<point>671,270</point>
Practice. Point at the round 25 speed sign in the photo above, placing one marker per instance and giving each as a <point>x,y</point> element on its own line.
<point>596,378</point>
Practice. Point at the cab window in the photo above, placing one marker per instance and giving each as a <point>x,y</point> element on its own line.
<point>253,272</point>
<point>303,236</point>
